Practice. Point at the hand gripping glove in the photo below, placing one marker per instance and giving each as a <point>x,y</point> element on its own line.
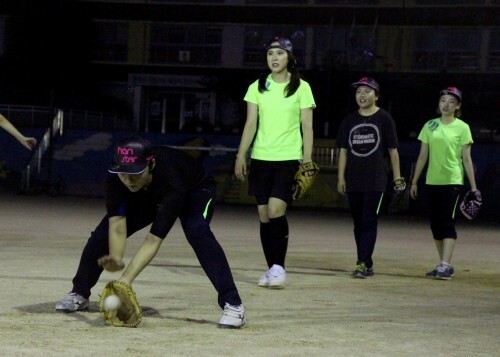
<point>471,204</point>
<point>399,184</point>
<point>304,178</point>
<point>129,313</point>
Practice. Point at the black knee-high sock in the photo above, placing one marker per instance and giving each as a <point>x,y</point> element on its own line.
<point>279,230</point>
<point>266,240</point>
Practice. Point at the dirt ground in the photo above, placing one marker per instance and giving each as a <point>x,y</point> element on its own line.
<point>322,312</point>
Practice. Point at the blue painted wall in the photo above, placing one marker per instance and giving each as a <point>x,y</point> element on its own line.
<point>81,158</point>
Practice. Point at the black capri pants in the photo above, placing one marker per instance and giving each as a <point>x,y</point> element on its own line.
<point>443,202</point>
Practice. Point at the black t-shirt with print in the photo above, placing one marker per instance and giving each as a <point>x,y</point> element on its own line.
<point>367,140</point>
<point>175,175</point>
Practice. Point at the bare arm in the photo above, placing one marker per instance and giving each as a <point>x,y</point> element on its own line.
<point>306,117</point>
<point>240,168</point>
<point>27,142</point>
<point>469,168</point>
<point>421,161</point>
<point>117,244</point>
<point>342,160</point>
<point>142,258</point>
<point>396,171</point>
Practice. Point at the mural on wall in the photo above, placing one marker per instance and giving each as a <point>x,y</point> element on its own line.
<point>81,159</point>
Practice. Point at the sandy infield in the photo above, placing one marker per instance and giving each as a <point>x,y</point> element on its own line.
<point>322,312</point>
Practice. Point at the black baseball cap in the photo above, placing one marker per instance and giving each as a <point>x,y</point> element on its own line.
<point>131,156</point>
<point>367,81</point>
<point>283,43</point>
<point>454,91</point>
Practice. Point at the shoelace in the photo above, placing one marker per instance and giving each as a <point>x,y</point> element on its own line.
<point>442,268</point>
<point>233,310</point>
<point>71,297</point>
<point>361,267</point>
<point>274,272</point>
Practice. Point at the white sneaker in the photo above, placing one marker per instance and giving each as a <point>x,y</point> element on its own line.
<point>277,277</point>
<point>233,317</point>
<point>264,280</point>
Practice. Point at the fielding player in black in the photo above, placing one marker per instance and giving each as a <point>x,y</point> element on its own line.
<point>154,185</point>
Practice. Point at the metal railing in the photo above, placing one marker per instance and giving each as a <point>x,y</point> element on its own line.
<point>40,117</point>
<point>322,155</point>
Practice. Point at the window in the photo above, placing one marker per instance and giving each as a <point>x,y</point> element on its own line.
<point>186,2</point>
<point>276,2</point>
<point>494,51</point>
<point>111,41</point>
<point>346,46</point>
<point>345,2</point>
<point>450,2</point>
<point>450,49</point>
<point>185,44</point>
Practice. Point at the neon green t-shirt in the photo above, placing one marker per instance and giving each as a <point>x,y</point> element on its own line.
<point>279,128</point>
<point>445,151</point>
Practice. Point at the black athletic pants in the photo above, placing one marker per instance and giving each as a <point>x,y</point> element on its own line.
<point>364,208</point>
<point>195,219</point>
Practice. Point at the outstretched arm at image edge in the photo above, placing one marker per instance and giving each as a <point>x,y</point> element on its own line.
<point>27,142</point>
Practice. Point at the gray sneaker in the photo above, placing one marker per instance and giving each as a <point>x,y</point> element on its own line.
<point>72,302</point>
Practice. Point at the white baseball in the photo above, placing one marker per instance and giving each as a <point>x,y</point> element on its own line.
<point>112,303</point>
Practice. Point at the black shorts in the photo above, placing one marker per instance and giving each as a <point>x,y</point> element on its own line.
<point>272,179</point>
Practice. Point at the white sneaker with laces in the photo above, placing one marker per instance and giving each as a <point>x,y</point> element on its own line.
<point>72,302</point>
<point>277,277</point>
<point>264,280</point>
<point>233,317</point>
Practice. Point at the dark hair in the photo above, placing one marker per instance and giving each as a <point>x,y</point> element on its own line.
<point>151,164</point>
<point>294,83</point>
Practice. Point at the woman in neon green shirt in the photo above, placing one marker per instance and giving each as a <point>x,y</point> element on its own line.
<point>446,141</point>
<point>279,123</point>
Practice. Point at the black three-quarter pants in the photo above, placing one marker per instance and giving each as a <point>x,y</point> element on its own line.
<point>194,218</point>
<point>443,202</point>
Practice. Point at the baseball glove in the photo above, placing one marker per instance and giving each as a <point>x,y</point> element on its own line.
<point>471,204</point>
<point>304,178</point>
<point>129,314</point>
<point>399,184</point>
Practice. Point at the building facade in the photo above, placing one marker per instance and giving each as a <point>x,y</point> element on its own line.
<point>185,65</point>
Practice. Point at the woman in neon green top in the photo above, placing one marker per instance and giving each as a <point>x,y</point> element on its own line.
<point>279,107</point>
<point>446,141</point>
